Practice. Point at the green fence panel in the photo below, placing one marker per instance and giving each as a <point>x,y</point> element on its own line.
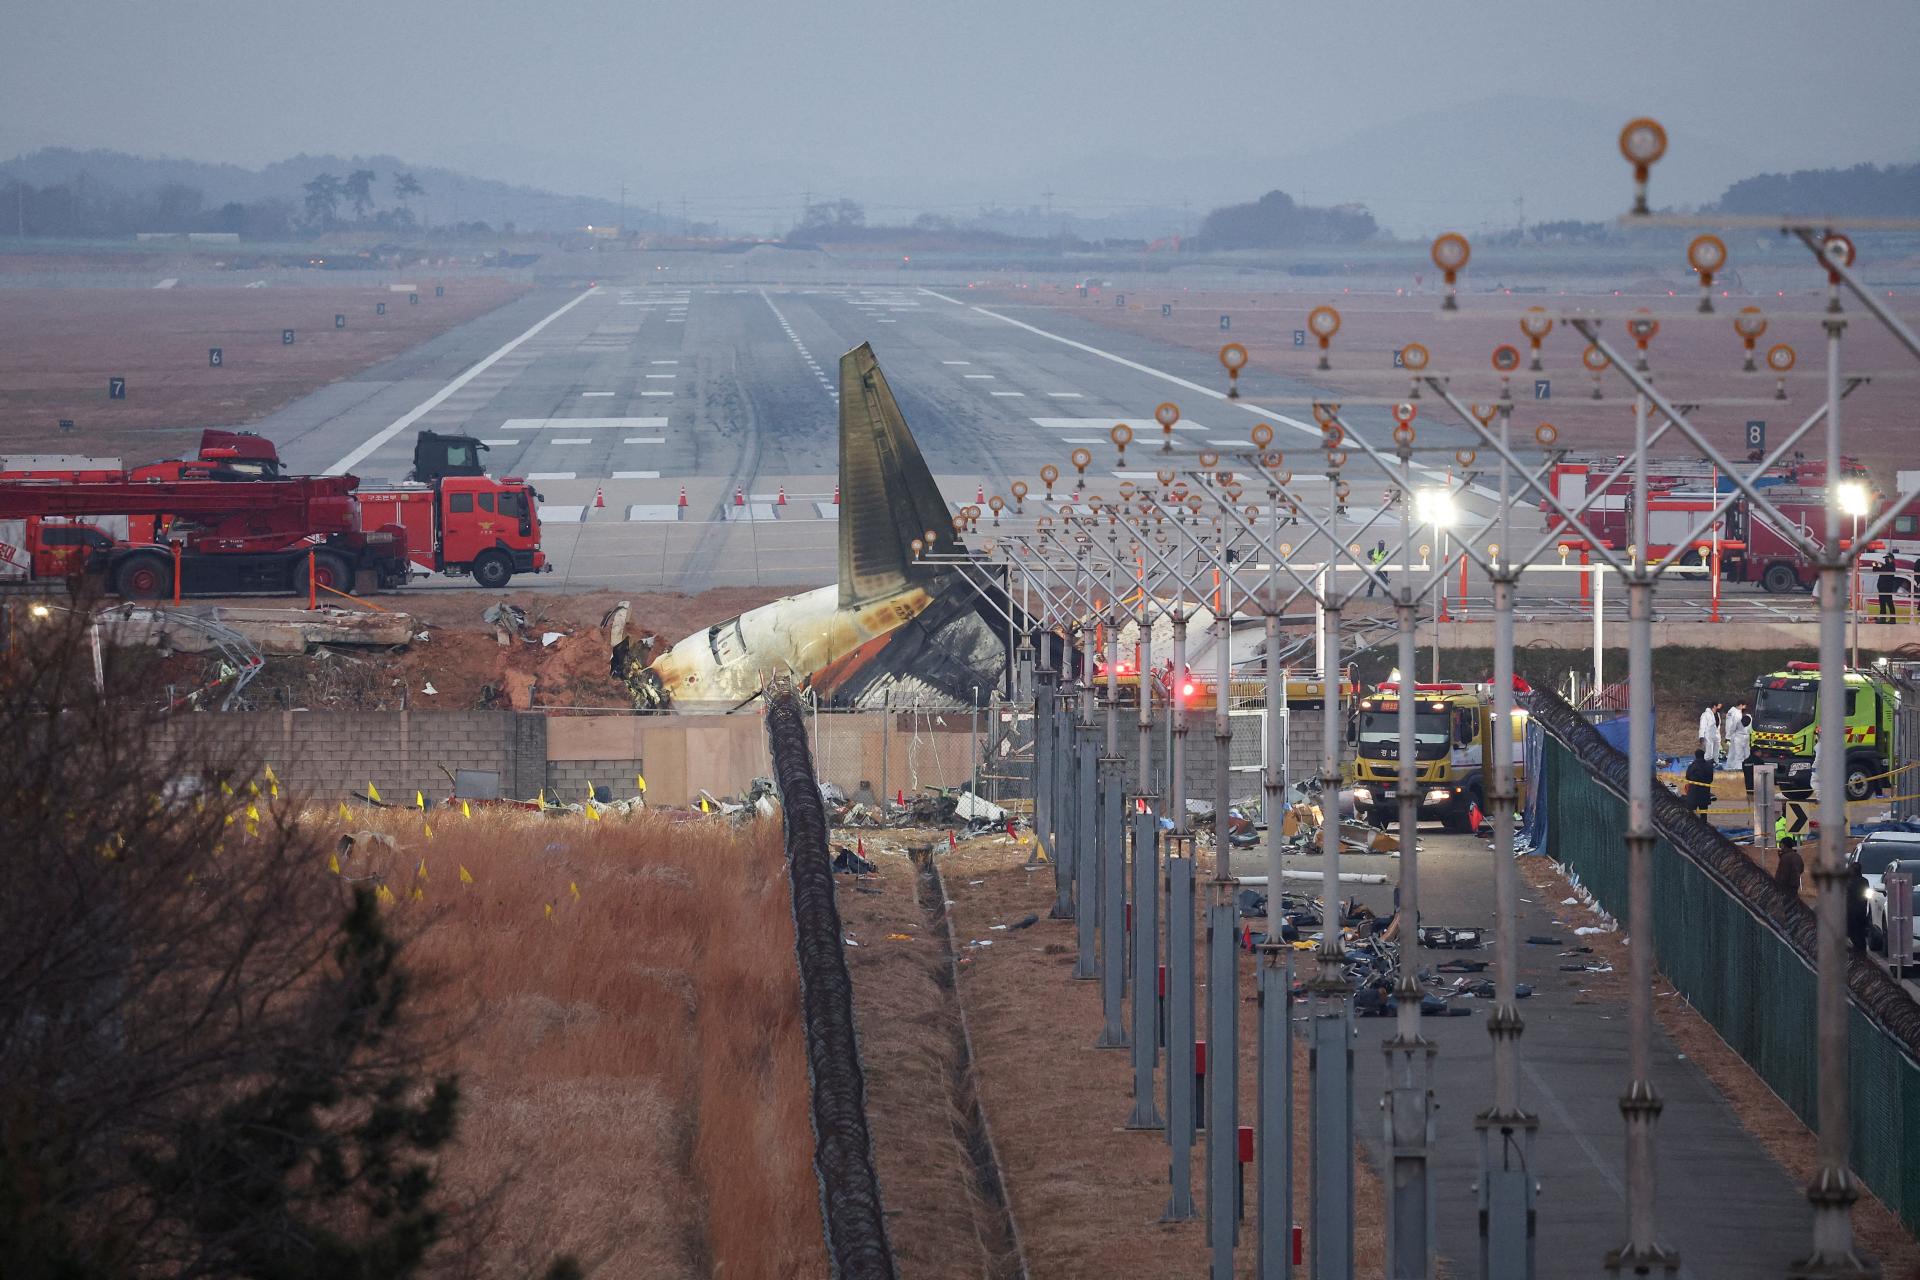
<point>1743,974</point>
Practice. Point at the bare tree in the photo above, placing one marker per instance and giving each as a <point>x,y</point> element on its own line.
<point>359,189</point>
<point>323,199</point>
<point>209,1062</point>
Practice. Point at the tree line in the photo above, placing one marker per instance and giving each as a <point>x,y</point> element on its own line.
<point>86,209</point>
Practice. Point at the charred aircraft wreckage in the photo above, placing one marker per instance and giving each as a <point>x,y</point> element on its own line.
<point>895,629</point>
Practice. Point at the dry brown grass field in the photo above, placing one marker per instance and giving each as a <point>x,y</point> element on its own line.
<point>629,1042</point>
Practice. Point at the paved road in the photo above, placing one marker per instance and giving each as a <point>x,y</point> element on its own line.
<point>1724,1203</point>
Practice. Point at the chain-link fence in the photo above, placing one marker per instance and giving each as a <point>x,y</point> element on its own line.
<point>1741,952</point>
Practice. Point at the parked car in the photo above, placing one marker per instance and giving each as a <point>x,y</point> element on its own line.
<point>1873,856</point>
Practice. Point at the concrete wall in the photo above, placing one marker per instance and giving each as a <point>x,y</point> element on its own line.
<point>332,753</point>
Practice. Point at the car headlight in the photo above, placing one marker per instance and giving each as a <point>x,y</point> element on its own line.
<point>1363,794</point>
<point>1439,795</point>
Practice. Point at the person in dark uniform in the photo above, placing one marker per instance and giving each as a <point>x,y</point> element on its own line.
<point>1887,584</point>
<point>1700,783</point>
<point>1787,872</point>
<point>1857,910</point>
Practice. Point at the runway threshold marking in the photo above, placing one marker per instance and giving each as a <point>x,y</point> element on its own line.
<point>432,402</point>
<point>591,394</point>
<point>1178,381</point>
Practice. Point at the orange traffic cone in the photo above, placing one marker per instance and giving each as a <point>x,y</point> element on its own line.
<point>781,500</point>
<point>836,495</point>
<point>683,495</point>
<point>980,493</point>
<point>599,496</point>
<point>739,496</point>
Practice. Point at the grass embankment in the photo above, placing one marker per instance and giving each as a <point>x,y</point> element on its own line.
<point>631,1053</point>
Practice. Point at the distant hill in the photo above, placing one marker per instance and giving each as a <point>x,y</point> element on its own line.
<point>1865,190</point>
<point>445,196</point>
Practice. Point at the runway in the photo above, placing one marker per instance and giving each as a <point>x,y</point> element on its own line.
<point>616,399</point>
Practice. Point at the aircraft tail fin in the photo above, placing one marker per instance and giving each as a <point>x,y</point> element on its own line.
<point>887,494</point>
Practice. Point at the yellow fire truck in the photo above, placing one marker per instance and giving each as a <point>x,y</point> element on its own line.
<point>1453,748</point>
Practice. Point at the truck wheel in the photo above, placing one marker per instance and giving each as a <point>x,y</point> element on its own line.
<point>329,570</point>
<point>492,569</point>
<point>1780,579</point>
<point>1858,773</point>
<point>143,578</point>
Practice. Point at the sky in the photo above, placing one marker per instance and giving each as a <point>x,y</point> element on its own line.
<point>740,107</point>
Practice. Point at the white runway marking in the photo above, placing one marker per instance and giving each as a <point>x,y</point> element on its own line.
<point>663,362</point>
<point>573,440</point>
<point>1065,395</point>
<point>651,513</point>
<point>1007,393</point>
<point>500,442</point>
<point>675,375</point>
<point>977,376</point>
<point>1143,425</point>
<point>800,346</point>
<point>956,362</point>
<point>1306,428</point>
<point>644,440</point>
<point>549,424</point>
<point>168,283</point>
<point>944,298</point>
<point>434,401</point>
<point>646,475</point>
<point>656,393</point>
<point>591,394</point>
<point>550,475</point>
<point>560,515</point>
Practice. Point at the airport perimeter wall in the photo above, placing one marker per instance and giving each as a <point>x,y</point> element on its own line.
<point>329,753</point>
<point>1740,951</point>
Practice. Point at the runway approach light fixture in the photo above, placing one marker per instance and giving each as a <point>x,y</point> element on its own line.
<point>1122,436</point>
<point>1597,363</point>
<point>1450,253</point>
<point>1414,357</point>
<point>1642,326</point>
<point>1019,491</point>
<point>1049,474</point>
<point>1166,414</point>
<point>1081,459</point>
<point>1839,252</point>
<point>1642,142</point>
<point>1780,359</point>
<point>1853,498</point>
<point>1536,324</point>
<point>1233,357</point>
<point>1750,324</point>
<point>1706,255</point>
<point>1403,415</point>
<point>1325,322</point>
<point>1506,358</point>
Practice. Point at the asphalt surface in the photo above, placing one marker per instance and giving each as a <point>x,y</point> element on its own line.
<point>1722,1201</point>
<point>614,399</point>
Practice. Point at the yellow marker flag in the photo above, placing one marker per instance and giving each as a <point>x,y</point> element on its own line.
<point>416,895</point>
<point>225,790</point>
<point>429,827</point>
<point>574,889</point>
<point>421,870</point>
<point>270,776</point>
<point>383,894</point>
<point>253,788</point>
<point>589,791</point>
<point>639,784</point>
<point>229,821</point>
<point>333,863</point>
<point>343,810</point>
<point>464,811</point>
<point>549,911</point>
<point>419,800</point>
<point>373,792</point>
<point>466,877</point>
<point>273,790</point>
<point>703,804</point>
<point>593,814</point>
<point>253,812</point>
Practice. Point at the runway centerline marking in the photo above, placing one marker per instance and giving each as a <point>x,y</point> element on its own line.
<point>656,393</point>
<point>573,440</point>
<point>644,440</point>
<point>956,362</point>
<point>1065,395</point>
<point>663,362</point>
<point>1006,393</point>
<point>977,376</point>
<point>590,394</point>
<point>434,401</point>
<point>663,375</point>
<point>799,346</point>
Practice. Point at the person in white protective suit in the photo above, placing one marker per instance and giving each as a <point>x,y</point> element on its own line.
<point>1740,742</point>
<point>1710,730</point>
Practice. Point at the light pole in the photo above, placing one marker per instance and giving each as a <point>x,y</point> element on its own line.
<point>1435,508</point>
<point>1853,498</point>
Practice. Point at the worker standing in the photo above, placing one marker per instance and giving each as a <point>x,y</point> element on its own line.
<point>1377,558</point>
<point>1700,783</point>
<point>1787,872</point>
<point>1710,730</point>
<point>1886,585</point>
<point>1740,742</point>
